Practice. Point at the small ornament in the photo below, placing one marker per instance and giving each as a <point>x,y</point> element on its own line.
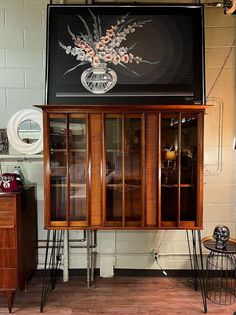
<point>221,235</point>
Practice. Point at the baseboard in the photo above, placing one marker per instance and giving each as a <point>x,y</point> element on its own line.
<point>128,272</point>
<point>152,273</point>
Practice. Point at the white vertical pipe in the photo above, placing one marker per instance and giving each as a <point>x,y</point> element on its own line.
<point>66,256</point>
<point>88,258</point>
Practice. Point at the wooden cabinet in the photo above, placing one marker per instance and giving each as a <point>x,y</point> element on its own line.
<point>18,240</point>
<point>124,167</point>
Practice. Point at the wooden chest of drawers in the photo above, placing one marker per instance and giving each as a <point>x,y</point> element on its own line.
<point>18,240</point>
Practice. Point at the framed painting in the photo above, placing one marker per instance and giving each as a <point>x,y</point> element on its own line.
<point>4,146</point>
<point>125,54</point>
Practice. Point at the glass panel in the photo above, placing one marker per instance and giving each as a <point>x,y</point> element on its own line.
<point>58,202</point>
<point>169,203</point>
<point>169,178</point>
<point>113,140</point>
<point>188,203</point>
<point>57,140</point>
<point>133,192</point>
<point>77,140</point>
<point>189,147</point>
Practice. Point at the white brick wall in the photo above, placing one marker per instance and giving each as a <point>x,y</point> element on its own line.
<point>11,78</point>
<point>22,50</point>
<point>2,58</point>
<point>15,40</point>
<point>219,201</point>
<point>22,68</point>
<point>23,18</point>
<point>11,3</point>
<point>2,99</point>
<point>22,60</point>
<point>34,78</point>
<point>24,98</point>
<point>35,38</point>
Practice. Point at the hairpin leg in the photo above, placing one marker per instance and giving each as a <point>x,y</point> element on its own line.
<point>51,265</point>
<point>196,261</point>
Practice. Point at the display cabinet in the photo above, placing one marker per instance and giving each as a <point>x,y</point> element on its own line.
<point>123,167</point>
<point>18,240</point>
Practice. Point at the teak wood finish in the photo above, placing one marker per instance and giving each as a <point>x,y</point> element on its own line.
<point>151,214</point>
<point>18,241</point>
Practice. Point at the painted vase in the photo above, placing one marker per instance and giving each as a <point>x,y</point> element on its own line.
<point>99,79</point>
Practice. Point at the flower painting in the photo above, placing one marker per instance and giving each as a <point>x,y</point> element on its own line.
<point>119,54</point>
<point>99,49</point>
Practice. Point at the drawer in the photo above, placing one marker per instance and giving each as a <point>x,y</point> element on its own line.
<point>8,258</point>
<point>7,238</point>
<point>7,204</point>
<point>7,219</point>
<point>8,278</point>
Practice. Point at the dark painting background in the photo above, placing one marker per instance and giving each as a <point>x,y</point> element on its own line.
<point>173,38</point>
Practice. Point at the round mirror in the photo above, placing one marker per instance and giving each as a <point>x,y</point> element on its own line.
<point>24,131</point>
<point>29,131</point>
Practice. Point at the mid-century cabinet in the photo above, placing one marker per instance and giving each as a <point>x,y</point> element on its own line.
<point>123,167</point>
<point>18,240</point>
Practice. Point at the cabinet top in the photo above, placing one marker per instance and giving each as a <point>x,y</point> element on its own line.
<point>120,108</point>
<point>25,188</point>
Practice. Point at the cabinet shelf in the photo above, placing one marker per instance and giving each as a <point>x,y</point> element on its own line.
<point>19,157</point>
<point>64,150</point>
<point>177,185</point>
<point>119,187</point>
<point>71,185</point>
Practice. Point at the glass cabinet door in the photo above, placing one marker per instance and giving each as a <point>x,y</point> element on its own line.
<point>133,169</point>
<point>114,173</point>
<point>68,162</point>
<point>169,168</point>
<point>58,162</point>
<point>179,151</point>
<point>188,167</point>
<point>123,201</point>
<point>77,167</point>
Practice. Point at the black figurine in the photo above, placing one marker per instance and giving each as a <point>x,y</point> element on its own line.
<point>221,235</point>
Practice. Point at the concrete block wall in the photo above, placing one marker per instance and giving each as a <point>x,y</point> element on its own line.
<point>22,68</point>
<point>219,201</point>
<point>22,55</point>
<point>22,78</point>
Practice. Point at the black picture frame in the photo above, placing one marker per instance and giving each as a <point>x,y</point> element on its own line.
<point>4,144</point>
<point>168,38</point>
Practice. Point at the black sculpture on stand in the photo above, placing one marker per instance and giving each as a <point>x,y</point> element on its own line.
<point>221,235</point>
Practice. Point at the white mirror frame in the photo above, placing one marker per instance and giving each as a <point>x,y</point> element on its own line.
<point>13,136</point>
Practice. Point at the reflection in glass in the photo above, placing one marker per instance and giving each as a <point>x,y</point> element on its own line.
<point>77,140</point>
<point>29,131</point>
<point>58,201</point>
<point>132,161</point>
<point>189,148</point>
<point>113,141</point>
<point>58,182</point>
<point>169,172</point>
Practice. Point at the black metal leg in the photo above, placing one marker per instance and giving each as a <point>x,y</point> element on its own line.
<point>91,257</point>
<point>192,262</point>
<point>196,260</point>
<point>201,273</point>
<point>51,265</point>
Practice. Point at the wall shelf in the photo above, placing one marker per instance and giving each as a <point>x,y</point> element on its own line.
<point>23,157</point>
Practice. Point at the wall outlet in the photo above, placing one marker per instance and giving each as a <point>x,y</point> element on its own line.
<point>155,255</point>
